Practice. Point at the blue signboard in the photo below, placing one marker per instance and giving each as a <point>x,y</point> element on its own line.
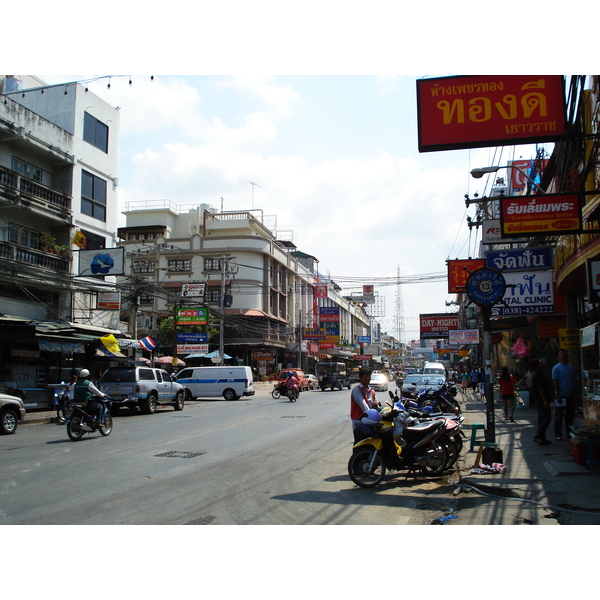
<point>364,339</point>
<point>485,286</point>
<point>523,259</point>
<point>192,338</point>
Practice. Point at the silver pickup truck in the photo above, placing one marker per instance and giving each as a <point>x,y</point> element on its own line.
<point>141,387</point>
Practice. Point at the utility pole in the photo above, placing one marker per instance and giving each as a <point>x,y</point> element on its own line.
<point>225,272</point>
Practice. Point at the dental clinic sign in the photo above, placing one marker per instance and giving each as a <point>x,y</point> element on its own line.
<point>527,293</point>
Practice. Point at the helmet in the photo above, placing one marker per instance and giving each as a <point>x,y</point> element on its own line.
<point>84,373</point>
<point>372,417</point>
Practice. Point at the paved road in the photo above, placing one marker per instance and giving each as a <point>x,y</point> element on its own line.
<point>254,461</point>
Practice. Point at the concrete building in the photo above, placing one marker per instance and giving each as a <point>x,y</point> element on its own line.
<point>58,175</point>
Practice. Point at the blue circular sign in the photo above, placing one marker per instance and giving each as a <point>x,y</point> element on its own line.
<point>486,286</point>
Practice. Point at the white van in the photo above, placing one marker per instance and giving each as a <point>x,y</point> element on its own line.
<point>211,382</point>
<point>434,368</point>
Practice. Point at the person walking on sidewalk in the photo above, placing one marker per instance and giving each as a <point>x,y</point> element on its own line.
<point>540,391</point>
<point>508,387</point>
<point>564,379</point>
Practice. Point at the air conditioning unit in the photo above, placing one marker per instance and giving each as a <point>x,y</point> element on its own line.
<point>144,322</point>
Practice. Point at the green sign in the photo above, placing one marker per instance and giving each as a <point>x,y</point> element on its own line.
<point>192,316</point>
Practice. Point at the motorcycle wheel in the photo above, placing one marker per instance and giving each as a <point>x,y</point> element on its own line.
<point>108,424</point>
<point>451,450</point>
<point>276,394</point>
<point>358,468</point>
<point>74,430</point>
<point>440,458</point>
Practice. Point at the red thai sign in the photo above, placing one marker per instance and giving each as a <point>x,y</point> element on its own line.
<point>489,110</point>
<point>548,214</point>
<point>459,271</point>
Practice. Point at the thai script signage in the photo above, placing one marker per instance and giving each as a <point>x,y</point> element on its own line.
<point>192,316</point>
<point>460,337</point>
<point>529,259</point>
<point>458,272</point>
<point>492,233</point>
<point>193,338</point>
<point>329,320</point>
<point>109,300</point>
<point>189,348</point>
<point>548,214</point>
<point>437,325</point>
<point>569,339</point>
<point>489,110</point>
<point>314,334</point>
<point>364,339</point>
<point>526,294</point>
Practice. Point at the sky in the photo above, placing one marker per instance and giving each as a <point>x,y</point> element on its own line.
<point>332,162</point>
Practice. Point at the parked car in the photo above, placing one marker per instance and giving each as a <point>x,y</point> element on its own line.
<point>141,387</point>
<point>230,382</point>
<point>12,410</point>
<point>379,382</point>
<point>313,382</point>
<point>413,384</point>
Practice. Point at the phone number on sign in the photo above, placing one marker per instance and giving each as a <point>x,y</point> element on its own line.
<point>521,310</point>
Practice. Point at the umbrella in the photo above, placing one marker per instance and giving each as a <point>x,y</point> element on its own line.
<point>215,353</point>
<point>168,360</point>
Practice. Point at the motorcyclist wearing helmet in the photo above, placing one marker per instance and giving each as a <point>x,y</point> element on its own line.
<point>292,382</point>
<point>85,392</point>
<point>362,398</point>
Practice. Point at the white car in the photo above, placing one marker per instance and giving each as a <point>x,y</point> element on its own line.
<point>313,382</point>
<point>12,410</point>
<point>379,382</point>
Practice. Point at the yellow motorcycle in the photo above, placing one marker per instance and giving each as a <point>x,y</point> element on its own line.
<point>392,440</point>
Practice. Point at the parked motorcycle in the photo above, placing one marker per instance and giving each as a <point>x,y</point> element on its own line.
<point>82,421</point>
<point>396,442</point>
<point>453,436</point>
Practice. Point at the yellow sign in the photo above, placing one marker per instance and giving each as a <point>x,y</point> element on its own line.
<point>568,339</point>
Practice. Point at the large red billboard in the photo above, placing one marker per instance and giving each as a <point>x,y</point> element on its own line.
<point>475,111</point>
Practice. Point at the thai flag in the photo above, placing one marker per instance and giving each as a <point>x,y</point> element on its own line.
<point>149,343</point>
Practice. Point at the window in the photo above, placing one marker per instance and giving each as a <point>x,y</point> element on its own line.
<point>180,265</point>
<point>23,236</point>
<point>212,264</point>
<point>144,266</point>
<point>93,241</point>
<point>95,132</point>
<point>213,295</point>
<point>26,169</point>
<point>93,196</point>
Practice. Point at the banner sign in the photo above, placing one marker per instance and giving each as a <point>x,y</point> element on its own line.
<point>437,325</point>
<point>320,291</point>
<point>458,272</point>
<point>489,110</point>
<point>327,345</point>
<point>569,339</point>
<point>369,294</point>
<point>363,356</point>
<point>192,348</point>
<point>364,339</point>
<point>193,289</point>
<point>108,261</point>
<point>109,300</point>
<point>526,294</point>
<point>460,337</point>
<point>528,259</point>
<point>314,334</point>
<point>192,316</point>
<point>193,338</point>
<point>492,233</point>
<point>547,214</point>
<point>526,167</point>
<point>262,355</point>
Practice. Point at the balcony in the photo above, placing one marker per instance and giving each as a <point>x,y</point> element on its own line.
<point>21,256</point>
<point>27,194</point>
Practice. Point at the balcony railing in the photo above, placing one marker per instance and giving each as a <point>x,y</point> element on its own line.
<point>28,256</point>
<point>31,194</point>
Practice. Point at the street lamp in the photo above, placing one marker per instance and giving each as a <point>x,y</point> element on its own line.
<point>480,172</point>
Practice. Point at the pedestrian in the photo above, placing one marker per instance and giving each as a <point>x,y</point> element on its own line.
<point>464,380</point>
<point>481,382</point>
<point>362,397</point>
<point>474,379</point>
<point>508,389</point>
<point>540,392</point>
<point>85,392</point>
<point>564,378</point>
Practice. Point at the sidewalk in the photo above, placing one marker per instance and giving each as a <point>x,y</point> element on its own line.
<point>542,485</point>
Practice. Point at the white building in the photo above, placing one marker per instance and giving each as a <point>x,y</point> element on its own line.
<point>58,174</point>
